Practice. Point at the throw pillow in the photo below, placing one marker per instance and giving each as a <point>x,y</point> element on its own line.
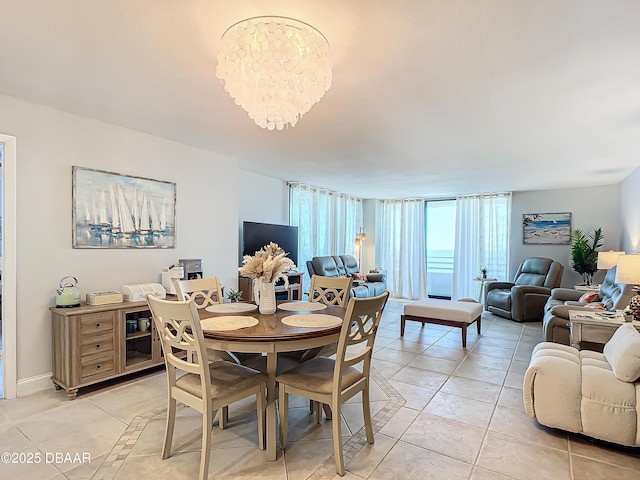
<point>588,297</point>
<point>359,276</point>
<point>596,306</point>
<point>623,353</point>
<point>375,277</point>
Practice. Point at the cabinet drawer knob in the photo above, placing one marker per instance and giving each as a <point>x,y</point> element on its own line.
<point>98,325</point>
<point>97,346</point>
<point>98,367</point>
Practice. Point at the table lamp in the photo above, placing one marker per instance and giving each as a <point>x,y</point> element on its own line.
<point>628,272</point>
<point>606,260</point>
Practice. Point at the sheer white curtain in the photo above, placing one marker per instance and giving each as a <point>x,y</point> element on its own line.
<point>400,247</point>
<point>327,223</point>
<point>482,240</point>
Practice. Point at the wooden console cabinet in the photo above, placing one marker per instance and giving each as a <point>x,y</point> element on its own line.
<point>294,292</point>
<point>91,344</point>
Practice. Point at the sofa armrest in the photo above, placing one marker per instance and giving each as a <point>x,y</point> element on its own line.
<point>562,311</point>
<point>526,289</point>
<point>495,285</point>
<point>566,294</point>
<point>374,277</point>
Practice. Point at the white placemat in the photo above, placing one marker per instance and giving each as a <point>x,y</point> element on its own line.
<point>302,306</point>
<point>312,320</point>
<point>231,307</point>
<point>228,322</point>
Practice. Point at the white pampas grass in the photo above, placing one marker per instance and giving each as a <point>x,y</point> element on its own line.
<point>267,265</point>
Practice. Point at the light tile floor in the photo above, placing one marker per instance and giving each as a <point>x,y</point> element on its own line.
<point>439,411</point>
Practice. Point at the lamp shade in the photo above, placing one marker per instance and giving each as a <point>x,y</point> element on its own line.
<point>628,271</point>
<point>606,260</point>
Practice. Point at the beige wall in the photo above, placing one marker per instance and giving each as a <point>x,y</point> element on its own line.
<point>49,142</point>
<point>630,212</point>
<point>590,207</point>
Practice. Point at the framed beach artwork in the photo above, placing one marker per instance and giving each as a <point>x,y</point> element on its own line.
<point>111,210</point>
<point>546,228</point>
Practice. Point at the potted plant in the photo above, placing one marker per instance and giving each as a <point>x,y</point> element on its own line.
<point>234,297</point>
<point>483,270</point>
<point>584,252</point>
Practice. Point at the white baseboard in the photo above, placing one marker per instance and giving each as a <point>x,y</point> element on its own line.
<point>34,384</point>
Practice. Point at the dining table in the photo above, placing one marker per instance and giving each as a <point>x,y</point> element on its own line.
<point>294,326</point>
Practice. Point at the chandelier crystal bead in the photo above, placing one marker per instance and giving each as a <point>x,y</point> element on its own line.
<point>276,68</point>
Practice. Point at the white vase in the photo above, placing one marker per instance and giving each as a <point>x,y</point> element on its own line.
<point>265,295</point>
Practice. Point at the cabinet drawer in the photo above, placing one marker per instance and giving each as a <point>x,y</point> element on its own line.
<point>96,365</point>
<point>92,345</point>
<point>96,323</point>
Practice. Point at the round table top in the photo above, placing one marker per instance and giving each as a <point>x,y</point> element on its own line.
<point>485,279</point>
<point>270,327</point>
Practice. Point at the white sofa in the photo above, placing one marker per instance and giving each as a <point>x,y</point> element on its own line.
<point>597,394</point>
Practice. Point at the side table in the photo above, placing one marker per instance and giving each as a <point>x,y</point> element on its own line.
<point>482,281</point>
<point>594,327</point>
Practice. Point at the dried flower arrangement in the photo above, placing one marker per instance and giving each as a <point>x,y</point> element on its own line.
<point>267,265</point>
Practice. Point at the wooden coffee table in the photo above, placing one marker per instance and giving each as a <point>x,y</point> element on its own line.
<point>594,327</point>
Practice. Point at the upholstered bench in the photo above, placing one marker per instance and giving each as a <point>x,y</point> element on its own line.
<point>460,313</point>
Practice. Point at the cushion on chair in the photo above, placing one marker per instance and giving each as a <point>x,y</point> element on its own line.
<point>623,353</point>
<point>588,297</point>
<point>316,375</point>
<point>226,378</point>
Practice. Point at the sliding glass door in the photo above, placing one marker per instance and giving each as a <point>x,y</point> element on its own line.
<point>440,226</point>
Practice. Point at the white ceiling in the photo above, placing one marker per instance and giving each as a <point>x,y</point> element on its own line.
<point>429,98</point>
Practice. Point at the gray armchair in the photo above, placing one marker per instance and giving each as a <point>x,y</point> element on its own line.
<point>555,324</point>
<point>523,299</point>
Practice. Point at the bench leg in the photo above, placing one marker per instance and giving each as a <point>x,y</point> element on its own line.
<point>464,335</point>
<point>402,320</point>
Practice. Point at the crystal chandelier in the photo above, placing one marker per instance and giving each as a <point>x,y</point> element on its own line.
<point>275,68</point>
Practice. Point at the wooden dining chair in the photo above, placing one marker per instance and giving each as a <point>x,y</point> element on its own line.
<point>328,381</point>
<point>205,387</point>
<point>330,290</point>
<point>203,291</point>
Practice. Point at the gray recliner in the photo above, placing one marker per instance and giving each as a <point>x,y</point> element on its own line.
<point>555,324</point>
<point>523,299</point>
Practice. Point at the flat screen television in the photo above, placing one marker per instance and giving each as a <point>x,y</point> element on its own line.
<point>256,235</point>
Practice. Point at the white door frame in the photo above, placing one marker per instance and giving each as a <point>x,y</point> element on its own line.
<point>9,273</point>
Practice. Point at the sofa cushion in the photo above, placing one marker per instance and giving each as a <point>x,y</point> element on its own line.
<point>588,297</point>
<point>623,353</point>
<point>608,406</point>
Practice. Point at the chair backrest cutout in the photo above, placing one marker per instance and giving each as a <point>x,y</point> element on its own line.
<point>330,290</point>
<point>203,291</point>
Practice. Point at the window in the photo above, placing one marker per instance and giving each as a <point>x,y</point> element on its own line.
<point>440,226</point>
<point>327,223</point>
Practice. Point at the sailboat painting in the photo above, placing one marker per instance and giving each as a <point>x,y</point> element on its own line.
<point>111,210</point>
